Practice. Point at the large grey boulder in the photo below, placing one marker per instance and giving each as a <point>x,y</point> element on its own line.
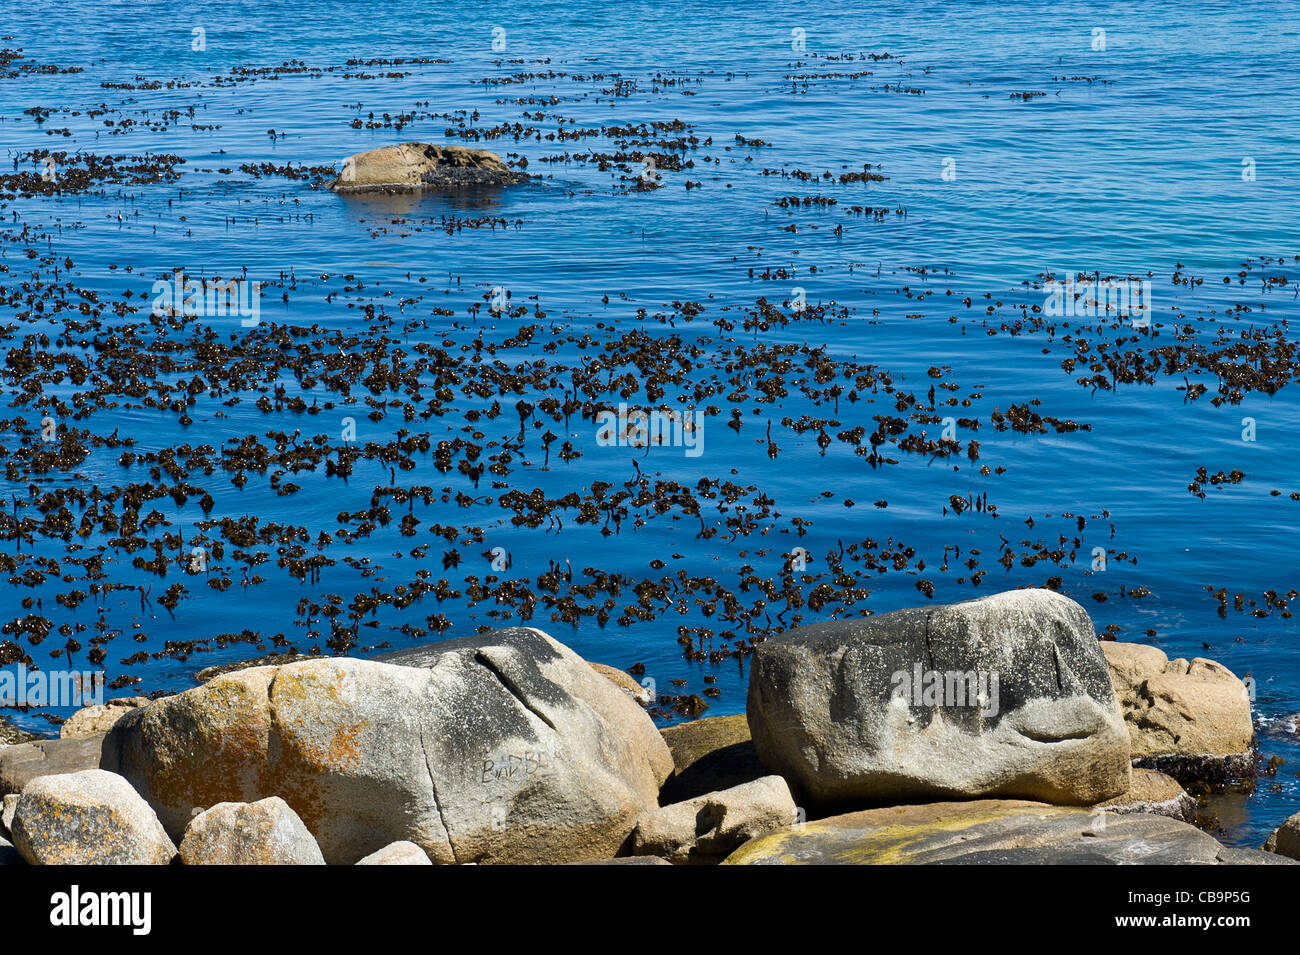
<point>1190,719</point>
<point>993,832</point>
<point>706,829</point>
<point>415,166</point>
<point>1004,696</point>
<point>88,818</point>
<point>504,747</point>
<point>21,763</point>
<point>266,832</point>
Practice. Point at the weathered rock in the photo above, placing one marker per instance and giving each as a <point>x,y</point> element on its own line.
<point>22,763</point>
<point>1285,840</point>
<point>399,853</point>
<point>503,747</point>
<point>1190,720</point>
<point>7,813</point>
<point>98,720</point>
<point>625,681</point>
<point>88,818</point>
<point>266,832</point>
<point>706,829</point>
<point>708,755</point>
<point>411,166</point>
<point>992,831</point>
<point>1025,708</point>
<point>1153,792</point>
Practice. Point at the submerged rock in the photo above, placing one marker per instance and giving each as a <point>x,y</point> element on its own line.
<point>266,832</point>
<point>503,747</point>
<point>413,166</point>
<point>993,831</point>
<point>1190,720</point>
<point>1007,696</point>
<point>706,829</point>
<point>88,818</point>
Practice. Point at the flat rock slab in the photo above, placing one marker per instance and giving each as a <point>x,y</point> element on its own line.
<point>418,166</point>
<point>22,763</point>
<point>996,832</point>
<point>1004,696</point>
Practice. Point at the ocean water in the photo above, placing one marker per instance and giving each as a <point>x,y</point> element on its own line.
<point>1162,148</point>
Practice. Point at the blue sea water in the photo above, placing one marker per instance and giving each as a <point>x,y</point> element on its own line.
<point>1167,152</point>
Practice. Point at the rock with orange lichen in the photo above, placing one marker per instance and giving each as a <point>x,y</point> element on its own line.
<point>503,747</point>
<point>88,818</point>
<point>266,832</point>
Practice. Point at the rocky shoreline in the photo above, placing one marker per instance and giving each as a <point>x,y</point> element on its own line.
<point>998,730</point>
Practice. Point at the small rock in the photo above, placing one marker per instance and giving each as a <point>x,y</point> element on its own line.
<point>414,166</point>
<point>98,720</point>
<point>22,763</point>
<point>266,832</point>
<point>1285,840</point>
<point>399,853</point>
<point>7,814</point>
<point>624,681</point>
<point>706,829</point>
<point>88,818</point>
<point>1153,792</point>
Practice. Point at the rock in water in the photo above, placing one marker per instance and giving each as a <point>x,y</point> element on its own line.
<point>1285,840</point>
<point>266,832</point>
<point>88,818</point>
<point>1190,720</point>
<point>503,747</point>
<point>1003,696</point>
<point>413,166</point>
<point>993,832</point>
<point>399,853</point>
